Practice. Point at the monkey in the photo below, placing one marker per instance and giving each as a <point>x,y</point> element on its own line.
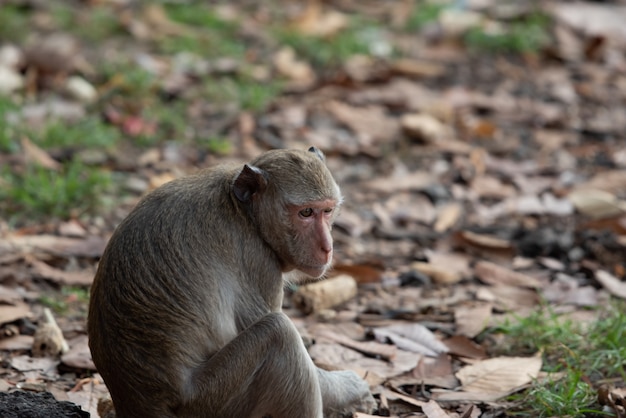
<point>185,316</point>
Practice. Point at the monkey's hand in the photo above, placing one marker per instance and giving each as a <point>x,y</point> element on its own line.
<point>343,393</point>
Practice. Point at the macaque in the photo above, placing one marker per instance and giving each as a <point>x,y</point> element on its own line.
<point>185,316</point>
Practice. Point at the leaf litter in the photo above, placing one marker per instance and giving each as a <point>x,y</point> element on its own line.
<point>477,185</point>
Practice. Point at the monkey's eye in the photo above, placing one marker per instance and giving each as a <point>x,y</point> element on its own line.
<point>328,210</point>
<point>305,213</point>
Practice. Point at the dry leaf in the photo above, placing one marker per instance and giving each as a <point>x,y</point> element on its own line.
<point>471,320</point>
<point>36,155</point>
<point>425,127</point>
<point>370,348</point>
<point>287,64</point>
<point>611,283</point>
<point>448,216</point>
<point>415,68</point>
<point>314,21</point>
<point>13,312</point>
<point>487,241</point>
<point>18,342</point>
<point>78,355</point>
<point>27,363</point>
<point>417,180</point>
<point>496,275</point>
<point>440,273</point>
<point>416,333</point>
<point>464,347</point>
<point>45,271</point>
<point>499,374</point>
<point>371,123</point>
<point>433,410</point>
<point>61,246</point>
<point>597,203</point>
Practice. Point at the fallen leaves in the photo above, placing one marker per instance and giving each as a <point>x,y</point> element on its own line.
<point>491,379</point>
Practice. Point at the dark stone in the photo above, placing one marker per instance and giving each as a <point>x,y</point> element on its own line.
<point>21,404</point>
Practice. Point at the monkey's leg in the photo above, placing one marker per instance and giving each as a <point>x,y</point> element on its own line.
<point>343,393</point>
<point>264,371</point>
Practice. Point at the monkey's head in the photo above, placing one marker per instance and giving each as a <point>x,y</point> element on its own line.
<point>293,200</point>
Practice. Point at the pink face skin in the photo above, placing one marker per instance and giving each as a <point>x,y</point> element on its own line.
<point>314,221</point>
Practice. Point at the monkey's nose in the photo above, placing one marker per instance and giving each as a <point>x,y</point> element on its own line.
<point>327,254</point>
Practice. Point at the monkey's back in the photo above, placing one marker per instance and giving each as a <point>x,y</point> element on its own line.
<point>155,300</point>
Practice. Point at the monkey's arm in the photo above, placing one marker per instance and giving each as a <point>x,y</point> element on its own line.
<point>264,371</point>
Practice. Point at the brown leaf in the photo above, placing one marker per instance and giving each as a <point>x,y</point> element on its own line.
<point>362,273</point>
<point>411,337</point>
<point>417,180</point>
<point>611,283</point>
<point>287,64</point>
<point>440,273</point>
<point>371,123</point>
<point>45,271</point>
<point>464,347</point>
<point>499,374</point>
<point>370,348</point>
<point>471,320</point>
<point>597,203</point>
<point>78,356</point>
<point>425,127</point>
<point>416,68</point>
<point>91,246</point>
<point>34,154</point>
<point>13,312</point>
<point>314,21</point>
<point>496,275</point>
<point>18,342</point>
<point>447,217</point>
<point>433,410</point>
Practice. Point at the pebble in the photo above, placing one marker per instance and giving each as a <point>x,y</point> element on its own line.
<point>81,89</point>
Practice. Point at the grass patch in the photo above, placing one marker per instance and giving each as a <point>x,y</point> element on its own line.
<point>586,354</point>
<point>39,192</point>
<point>90,132</point>
<point>523,36</point>
<point>8,132</point>
<point>424,13</point>
<point>14,23</point>
<point>70,298</point>
<point>208,34</point>
<point>90,23</point>
<point>247,93</point>
<point>329,51</point>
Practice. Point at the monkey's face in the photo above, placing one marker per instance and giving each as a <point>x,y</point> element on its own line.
<point>311,244</point>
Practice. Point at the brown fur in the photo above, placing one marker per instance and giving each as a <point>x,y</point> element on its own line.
<point>185,316</point>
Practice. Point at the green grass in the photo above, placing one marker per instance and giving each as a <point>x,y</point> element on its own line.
<point>69,298</point>
<point>14,26</point>
<point>89,23</point>
<point>523,36</point>
<point>8,134</point>
<point>208,35</point>
<point>585,354</point>
<point>329,51</point>
<point>42,193</point>
<point>245,92</point>
<point>90,132</point>
<point>424,13</point>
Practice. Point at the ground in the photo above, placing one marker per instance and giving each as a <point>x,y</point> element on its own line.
<point>480,255</point>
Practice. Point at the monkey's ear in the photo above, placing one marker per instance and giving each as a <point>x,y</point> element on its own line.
<point>249,181</point>
<point>319,153</point>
